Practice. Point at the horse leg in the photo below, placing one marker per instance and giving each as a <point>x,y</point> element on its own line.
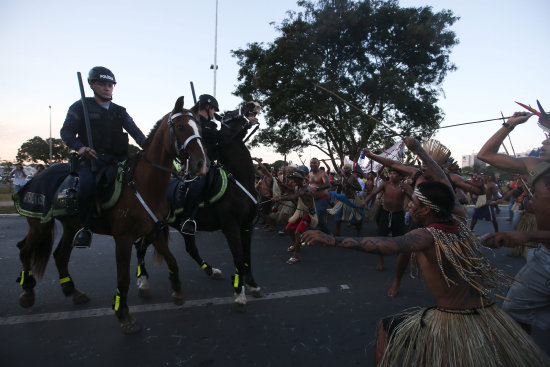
<point>26,279</point>
<point>193,251</point>
<point>161,246</point>
<point>34,249</point>
<point>142,280</point>
<point>61,255</point>
<point>232,234</point>
<point>246,240</point>
<point>128,323</point>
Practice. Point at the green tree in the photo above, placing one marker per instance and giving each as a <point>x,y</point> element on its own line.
<point>37,150</point>
<point>389,60</point>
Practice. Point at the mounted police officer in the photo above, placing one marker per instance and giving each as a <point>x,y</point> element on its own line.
<point>208,106</point>
<point>107,121</point>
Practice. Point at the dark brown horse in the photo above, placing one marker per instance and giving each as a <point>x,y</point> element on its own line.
<point>233,214</point>
<point>139,212</point>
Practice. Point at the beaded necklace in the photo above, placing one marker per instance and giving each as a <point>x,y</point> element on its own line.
<point>463,250</point>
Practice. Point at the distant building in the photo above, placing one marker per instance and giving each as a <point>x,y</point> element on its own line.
<point>470,160</point>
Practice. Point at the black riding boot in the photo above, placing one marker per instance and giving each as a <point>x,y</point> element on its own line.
<point>83,238</point>
<point>190,207</point>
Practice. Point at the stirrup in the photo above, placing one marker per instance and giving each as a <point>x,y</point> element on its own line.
<point>82,238</point>
<point>186,227</point>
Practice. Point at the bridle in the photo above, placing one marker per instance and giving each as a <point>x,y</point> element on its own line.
<point>177,146</point>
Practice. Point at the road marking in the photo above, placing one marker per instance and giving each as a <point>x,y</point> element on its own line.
<point>98,312</point>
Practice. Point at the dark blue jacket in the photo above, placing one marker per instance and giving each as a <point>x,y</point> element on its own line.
<point>107,128</point>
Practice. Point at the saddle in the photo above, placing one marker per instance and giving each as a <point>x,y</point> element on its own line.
<point>215,188</point>
<point>54,193</point>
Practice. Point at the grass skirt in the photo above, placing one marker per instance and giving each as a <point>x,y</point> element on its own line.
<point>481,337</point>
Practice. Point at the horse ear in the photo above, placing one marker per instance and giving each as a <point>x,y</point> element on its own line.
<point>179,104</point>
<point>195,108</point>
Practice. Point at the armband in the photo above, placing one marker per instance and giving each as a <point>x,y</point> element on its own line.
<point>508,126</point>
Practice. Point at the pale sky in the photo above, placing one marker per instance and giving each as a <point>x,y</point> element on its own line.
<point>155,48</point>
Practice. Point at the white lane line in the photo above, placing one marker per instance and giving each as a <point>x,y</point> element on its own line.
<point>98,312</point>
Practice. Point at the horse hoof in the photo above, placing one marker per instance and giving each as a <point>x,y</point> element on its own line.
<point>256,292</point>
<point>177,297</point>
<point>240,307</point>
<point>216,274</point>
<point>130,326</point>
<point>80,297</point>
<point>143,287</point>
<point>26,299</point>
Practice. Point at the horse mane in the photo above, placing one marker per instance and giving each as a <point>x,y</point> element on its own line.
<point>149,137</point>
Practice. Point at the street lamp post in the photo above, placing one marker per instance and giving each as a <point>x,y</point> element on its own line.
<point>50,135</point>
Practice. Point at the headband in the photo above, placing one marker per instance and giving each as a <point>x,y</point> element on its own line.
<point>424,200</point>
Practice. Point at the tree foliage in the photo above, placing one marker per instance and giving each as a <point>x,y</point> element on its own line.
<point>388,60</point>
<point>37,150</point>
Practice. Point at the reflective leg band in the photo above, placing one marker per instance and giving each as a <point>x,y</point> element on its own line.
<point>204,266</point>
<point>29,273</point>
<point>64,280</point>
<point>117,300</point>
<point>236,282</point>
<point>139,271</point>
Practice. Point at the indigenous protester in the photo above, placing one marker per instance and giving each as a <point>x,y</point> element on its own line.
<point>319,185</point>
<point>264,188</point>
<point>39,169</point>
<point>391,217</point>
<point>19,177</point>
<point>107,121</point>
<point>344,213</point>
<point>528,299</point>
<point>465,327</point>
<point>282,185</point>
<point>483,209</point>
<point>305,215</point>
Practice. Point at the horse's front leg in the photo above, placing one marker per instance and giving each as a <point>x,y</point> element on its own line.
<point>193,251</point>
<point>161,246</point>
<point>232,234</point>
<point>62,255</point>
<point>128,323</point>
<point>142,277</point>
<point>246,240</point>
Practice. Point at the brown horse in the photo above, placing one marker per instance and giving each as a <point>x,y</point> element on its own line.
<point>140,212</point>
<point>233,213</point>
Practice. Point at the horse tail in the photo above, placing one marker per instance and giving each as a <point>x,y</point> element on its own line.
<point>39,242</point>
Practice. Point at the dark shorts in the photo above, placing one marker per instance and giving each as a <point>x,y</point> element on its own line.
<point>394,222</point>
<point>486,212</point>
<point>266,205</point>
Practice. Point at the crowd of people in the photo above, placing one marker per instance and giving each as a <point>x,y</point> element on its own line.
<point>420,214</point>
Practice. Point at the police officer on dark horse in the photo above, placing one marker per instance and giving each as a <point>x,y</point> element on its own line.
<point>110,143</point>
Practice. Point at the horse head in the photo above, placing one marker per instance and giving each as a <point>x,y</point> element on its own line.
<point>186,140</point>
<point>234,125</point>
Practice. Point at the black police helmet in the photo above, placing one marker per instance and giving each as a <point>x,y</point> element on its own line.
<point>100,74</point>
<point>207,99</point>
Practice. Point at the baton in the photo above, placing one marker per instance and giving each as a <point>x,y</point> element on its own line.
<point>193,91</point>
<point>86,119</point>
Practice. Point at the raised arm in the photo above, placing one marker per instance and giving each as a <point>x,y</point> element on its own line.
<point>398,166</point>
<point>414,241</point>
<point>489,152</point>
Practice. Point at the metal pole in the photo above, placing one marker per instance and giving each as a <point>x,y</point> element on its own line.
<point>216,48</point>
<point>50,135</point>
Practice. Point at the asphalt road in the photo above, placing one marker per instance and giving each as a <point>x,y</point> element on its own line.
<point>321,311</point>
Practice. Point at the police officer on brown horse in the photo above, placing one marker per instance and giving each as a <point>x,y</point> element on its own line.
<point>107,121</point>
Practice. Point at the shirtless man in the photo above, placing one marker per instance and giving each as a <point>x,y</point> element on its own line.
<point>529,299</point>
<point>417,177</point>
<point>350,186</point>
<point>391,215</point>
<point>319,185</point>
<point>459,290</point>
<point>263,187</point>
